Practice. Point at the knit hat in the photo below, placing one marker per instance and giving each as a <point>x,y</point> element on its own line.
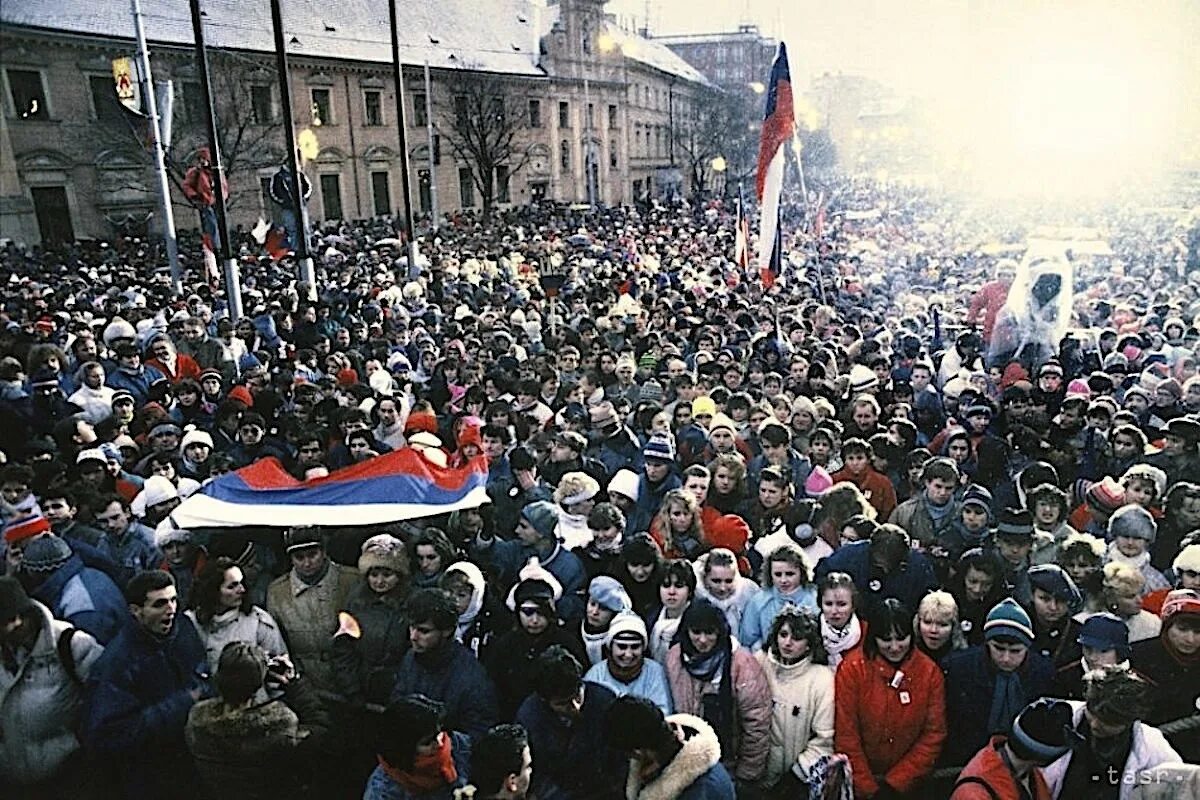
<point>118,329</point>
<point>1105,631</point>
<point>1133,521</point>
<point>45,554</point>
<point>167,532</point>
<point>660,447</point>
<point>652,392</point>
<point>13,600</point>
<point>603,415</point>
<point>1171,385</point>
<point>1188,558</point>
<point>1079,388</point>
<point>123,394</point>
<point>1115,359</point>
<point>157,489</point>
<point>624,483</point>
<point>383,550</point>
<point>609,593</point>
<point>1106,494</point>
<point>977,495</point>
<point>1007,618</point>
<point>194,436</point>
<point>575,487</point>
<point>1051,368</point>
<point>626,625</point>
<point>704,405</point>
<point>1042,732</point>
<point>979,407</point>
<point>22,528</point>
<point>165,428</point>
<point>1054,579</point>
<point>421,420</point>
<point>537,584</point>
<point>862,379</point>
<point>1015,522</point>
<point>722,421</point>
<point>91,454</point>
<point>1180,601</point>
<point>211,372</point>
<point>542,515</point>
<point>242,395</point>
<point>301,538</point>
<point>818,482</point>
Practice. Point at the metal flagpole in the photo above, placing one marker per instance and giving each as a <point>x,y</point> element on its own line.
<point>233,286</point>
<point>405,182</point>
<point>160,162</point>
<point>433,198</point>
<point>307,272</point>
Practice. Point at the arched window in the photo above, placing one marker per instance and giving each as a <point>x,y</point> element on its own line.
<point>564,154</point>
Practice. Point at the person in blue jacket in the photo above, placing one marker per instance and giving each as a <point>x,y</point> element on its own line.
<point>883,566</point>
<point>132,375</point>
<point>85,597</point>
<point>785,579</point>
<point>144,686</point>
<point>675,757</point>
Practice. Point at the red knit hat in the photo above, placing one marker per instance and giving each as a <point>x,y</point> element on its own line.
<point>25,528</point>
<point>421,421</point>
<point>242,395</point>
<point>470,435</point>
<point>1180,601</point>
<point>347,377</point>
<point>731,532</point>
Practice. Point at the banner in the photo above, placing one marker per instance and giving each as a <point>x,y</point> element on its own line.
<point>394,487</point>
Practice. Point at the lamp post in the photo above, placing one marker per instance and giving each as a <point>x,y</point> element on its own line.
<point>718,166</point>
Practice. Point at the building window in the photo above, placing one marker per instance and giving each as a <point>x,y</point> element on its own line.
<point>535,113</point>
<point>497,112</point>
<point>564,154</point>
<point>502,193</point>
<point>105,105</point>
<point>331,196</point>
<point>564,114</point>
<point>262,103</point>
<point>437,149</point>
<point>381,193</point>
<point>372,107</point>
<point>423,191</point>
<point>264,195</point>
<point>461,114</point>
<point>612,116</point>
<point>322,108</point>
<point>612,154</point>
<point>420,118</point>
<point>28,94</point>
<point>193,100</point>
<point>466,187</point>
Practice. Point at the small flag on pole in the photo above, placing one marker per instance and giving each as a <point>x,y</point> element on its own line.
<point>779,127</point>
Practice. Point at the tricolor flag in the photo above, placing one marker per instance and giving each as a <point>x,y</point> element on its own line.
<point>393,487</point>
<point>779,127</point>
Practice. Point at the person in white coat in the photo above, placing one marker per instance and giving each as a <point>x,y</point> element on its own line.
<point>1116,752</point>
<point>42,673</point>
<point>222,613</point>
<point>719,582</point>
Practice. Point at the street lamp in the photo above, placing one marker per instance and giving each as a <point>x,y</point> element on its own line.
<point>718,166</point>
<point>757,87</point>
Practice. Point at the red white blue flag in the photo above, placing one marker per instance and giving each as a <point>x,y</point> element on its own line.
<point>393,487</point>
<point>779,127</point>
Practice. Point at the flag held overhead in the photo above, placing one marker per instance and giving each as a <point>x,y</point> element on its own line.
<point>779,128</point>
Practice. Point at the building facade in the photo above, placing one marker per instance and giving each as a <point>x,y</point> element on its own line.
<point>590,107</point>
<point>733,60</point>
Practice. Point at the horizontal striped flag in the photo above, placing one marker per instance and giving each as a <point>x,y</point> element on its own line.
<point>779,127</point>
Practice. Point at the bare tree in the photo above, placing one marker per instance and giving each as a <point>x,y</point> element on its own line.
<point>722,124</point>
<point>483,123</point>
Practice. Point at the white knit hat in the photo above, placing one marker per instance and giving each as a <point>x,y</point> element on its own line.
<point>626,622</point>
<point>155,490</point>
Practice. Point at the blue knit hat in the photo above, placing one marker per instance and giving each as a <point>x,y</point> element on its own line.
<point>659,448</point>
<point>609,593</point>
<point>1042,732</point>
<point>978,495</point>
<point>1007,618</point>
<point>543,516</point>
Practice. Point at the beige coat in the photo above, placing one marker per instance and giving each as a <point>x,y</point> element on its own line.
<point>308,616</point>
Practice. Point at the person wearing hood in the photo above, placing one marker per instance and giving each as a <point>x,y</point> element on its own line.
<point>482,619</point>
<point>534,601</point>
<point>720,582</point>
<point>627,670</point>
<point>44,666</point>
<point>606,599</point>
<point>714,677</point>
<point>195,448</point>
<point>786,580</point>
<point>93,396</point>
<point>57,577</point>
<point>671,757</point>
<point>1131,533</point>
<point>1171,663</point>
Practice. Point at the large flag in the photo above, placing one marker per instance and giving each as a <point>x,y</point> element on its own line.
<point>779,126</point>
<point>393,487</point>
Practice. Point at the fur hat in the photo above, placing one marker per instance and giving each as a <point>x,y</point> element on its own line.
<point>575,487</point>
<point>383,550</point>
<point>1147,472</point>
<point>1133,521</point>
<point>1188,558</point>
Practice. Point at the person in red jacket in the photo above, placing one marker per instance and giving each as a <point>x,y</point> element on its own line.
<point>890,708</point>
<point>875,486</point>
<point>198,188</point>
<point>1006,768</point>
<point>991,297</point>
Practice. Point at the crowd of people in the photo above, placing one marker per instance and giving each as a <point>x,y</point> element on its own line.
<point>839,533</point>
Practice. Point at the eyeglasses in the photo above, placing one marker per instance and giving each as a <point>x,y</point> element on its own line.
<point>531,611</point>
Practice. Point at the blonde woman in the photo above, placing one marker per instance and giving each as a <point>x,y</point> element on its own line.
<point>719,582</point>
<point>1123,585</point>
<point>728,490</point>
<point>576,497</point>
<point>936,626</point>
<point>677,528</point>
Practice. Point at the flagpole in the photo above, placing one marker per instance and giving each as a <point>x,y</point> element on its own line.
<point>433,198</point>
<point>160,162</point>
<point>405,182</point>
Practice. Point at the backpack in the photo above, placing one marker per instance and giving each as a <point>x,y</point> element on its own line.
<point>66,657</point>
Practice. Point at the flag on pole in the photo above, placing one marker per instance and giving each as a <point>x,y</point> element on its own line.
<point>779,126</point>
<point>741,240</point>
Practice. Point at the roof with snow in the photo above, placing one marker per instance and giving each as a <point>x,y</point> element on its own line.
<point>449,34</point>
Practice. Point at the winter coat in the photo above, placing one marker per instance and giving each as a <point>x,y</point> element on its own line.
<point>365,664</point>
<point>913,515</point>
<point>254,627</point>
<point>751,713</point>
<point>258,752</point>
<point>989,766</point>
<point>734,606</point>
<point>1177,691</point>
<point>893,733</point>
<point>875,487</point>
<point>695,773</point>
<point>506,558</point>
<point>96,403</point>
<point>40,704</point>
<point>134,549</point>
<point>513,659</point>
<point>765,606</point>
<point>801,717</point>
<point>211,353</point>
<point>970,680</point>
<point>140,702</point>
<point>617,452</point>
<point>380,785</point>
<point>650,684</point>
<point>574,759</point>
<point>1149,749</point>
<point>86,598</point>
<point>453,677</point>
<point>908,584</point>
<point>308,617</point>
<point>136,382</point>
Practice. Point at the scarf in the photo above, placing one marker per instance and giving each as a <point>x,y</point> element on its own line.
<point>429,772</point>
<point>838,642</point>
<point>1137,562</point>
<point>715,666</point>
<point>593,643</point>
<point>662,635</point>
<point>1008,698</point>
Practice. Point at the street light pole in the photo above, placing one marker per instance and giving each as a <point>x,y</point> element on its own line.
<point>405,183</point>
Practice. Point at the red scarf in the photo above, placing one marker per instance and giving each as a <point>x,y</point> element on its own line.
<point>430,771</point>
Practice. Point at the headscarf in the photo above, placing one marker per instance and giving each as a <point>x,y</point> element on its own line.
<point>715,665</point>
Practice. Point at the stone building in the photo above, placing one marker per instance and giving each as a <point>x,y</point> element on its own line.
<point>591,107</point>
